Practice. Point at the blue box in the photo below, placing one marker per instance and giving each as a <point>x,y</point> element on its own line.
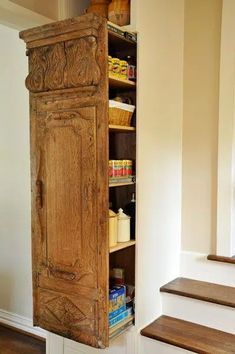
<point>122,316</point>
<point>117,299</point>
<point>116,312</point>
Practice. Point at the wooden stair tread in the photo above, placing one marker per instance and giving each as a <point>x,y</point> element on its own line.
<point>200,290</point>
<point>213,257</point>
<point>190,336</point>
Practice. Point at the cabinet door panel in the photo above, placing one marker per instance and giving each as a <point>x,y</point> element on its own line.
<point>68,297</point>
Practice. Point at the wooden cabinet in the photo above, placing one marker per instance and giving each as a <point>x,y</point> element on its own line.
<point>68,83</point>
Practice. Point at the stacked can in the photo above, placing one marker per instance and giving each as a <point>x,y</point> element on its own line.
<point>120,168</point>
<point>118,67</point>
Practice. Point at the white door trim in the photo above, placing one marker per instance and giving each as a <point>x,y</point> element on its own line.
<point>226,138</point>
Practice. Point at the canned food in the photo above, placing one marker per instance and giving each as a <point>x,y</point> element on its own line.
<point>123,69</point>
<point>111,168</point>
<point>119,169</point>
<point>116,66</point>
<point>110,63</point>
<point>127,167</point>
<point>131,72</point>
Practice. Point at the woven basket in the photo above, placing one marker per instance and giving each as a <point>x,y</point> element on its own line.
<point>119,116</point>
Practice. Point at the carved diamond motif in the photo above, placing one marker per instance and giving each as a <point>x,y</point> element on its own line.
<point>65,311</point>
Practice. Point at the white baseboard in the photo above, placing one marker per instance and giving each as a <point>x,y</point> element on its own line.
<point>21,322</point>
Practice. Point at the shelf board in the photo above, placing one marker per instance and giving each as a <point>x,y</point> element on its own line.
<point>118,36</point>
<point>120,325</point>
<point>116,82</point>
<point>121,128</point>
<point>120,184</point>
<point>122,245</point>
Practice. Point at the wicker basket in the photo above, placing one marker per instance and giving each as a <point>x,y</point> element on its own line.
<point>120,113</point>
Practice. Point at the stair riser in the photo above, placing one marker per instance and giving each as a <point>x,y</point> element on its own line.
<point>196,266</point>
<point>150,346</point>
<point>200,312</point>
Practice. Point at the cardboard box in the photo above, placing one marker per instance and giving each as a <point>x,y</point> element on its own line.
<point>117,300</point>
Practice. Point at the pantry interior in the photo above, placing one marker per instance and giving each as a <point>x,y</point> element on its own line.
<point>122,172</point>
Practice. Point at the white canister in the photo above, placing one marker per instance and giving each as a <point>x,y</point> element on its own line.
<point>112,228</point>
<point>123,226</point>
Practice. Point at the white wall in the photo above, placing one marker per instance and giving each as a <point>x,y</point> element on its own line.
<point>160,24</point>
<point>43,7</point>
<point>15,258</point>
<point>200,125</point>
<point>226,146</point>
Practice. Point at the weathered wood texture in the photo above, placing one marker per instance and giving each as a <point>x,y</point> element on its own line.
<point>200,290</point>
<point>190,336</point>
<point>68,86</point>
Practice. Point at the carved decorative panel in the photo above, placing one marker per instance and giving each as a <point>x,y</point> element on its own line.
<point>63,65</point>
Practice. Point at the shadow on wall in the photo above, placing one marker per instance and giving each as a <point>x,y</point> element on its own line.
<point>6,291</point>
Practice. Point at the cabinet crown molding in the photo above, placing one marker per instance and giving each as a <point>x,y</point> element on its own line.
<point>53,32</point>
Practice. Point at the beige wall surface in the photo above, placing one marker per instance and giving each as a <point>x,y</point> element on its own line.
<point>15,239</point>
<point>48,8</point>
<point>200,124</point>
<point>160,24</point>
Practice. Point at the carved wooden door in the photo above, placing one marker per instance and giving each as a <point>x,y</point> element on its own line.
<point>69,161</point>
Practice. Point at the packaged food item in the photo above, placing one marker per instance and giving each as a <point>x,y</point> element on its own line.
<point>119,168</point>
<point>117,276</point>
<point>131,67</point>
<point>123,69</point>
<point>111,168</point>
<point>127,168</point>
<point>116,66</point>
<point>123,226</point>
<point>117,300</point>
<point>110,63</point>
<point>120,317</point>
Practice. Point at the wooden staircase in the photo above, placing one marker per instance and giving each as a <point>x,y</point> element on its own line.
<point>194,336</point>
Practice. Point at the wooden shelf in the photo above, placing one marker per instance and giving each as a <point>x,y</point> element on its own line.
<point>118,36</point>
<point>121,184</point>
<point>122,324</point>
<point>121,128</point>
<point>122,245</point>
<point>116,82</point>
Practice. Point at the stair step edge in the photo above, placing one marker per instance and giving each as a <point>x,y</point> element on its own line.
<point>200,290</point>
<point>178,333</point>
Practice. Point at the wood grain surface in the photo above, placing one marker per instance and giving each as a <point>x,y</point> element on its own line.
<point>190,336</point>
<point>13,342</point>
<point>213,257</point>
<point>218,294</point>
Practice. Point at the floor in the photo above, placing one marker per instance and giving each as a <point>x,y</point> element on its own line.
<point>12,342</point>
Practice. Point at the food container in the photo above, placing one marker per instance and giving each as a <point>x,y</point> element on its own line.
<point>123,69</point>
<point>115,168</point>
<point>110,63</point>
<point>123,226</point>
<point>120,113</point>
<point>127,168</point>
<point>112,228</point>
<point>116,68</point>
